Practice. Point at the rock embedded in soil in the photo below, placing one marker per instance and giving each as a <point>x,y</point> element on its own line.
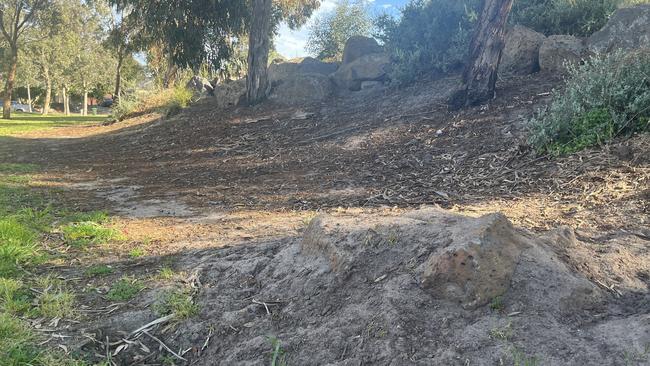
<point>463,260</point>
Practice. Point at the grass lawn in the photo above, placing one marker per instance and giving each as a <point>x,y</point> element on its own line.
<point>26,122</point>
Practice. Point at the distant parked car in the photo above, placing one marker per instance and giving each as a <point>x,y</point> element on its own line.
<point>18,107</point>
<point>106,103</point>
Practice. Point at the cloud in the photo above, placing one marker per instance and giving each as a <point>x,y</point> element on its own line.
<point>386,6</point>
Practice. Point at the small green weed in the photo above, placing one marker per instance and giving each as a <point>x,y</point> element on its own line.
<point>18,246</point>
<point>137,253</point>
<point>166,274</point>
<point>177,302</point>
<point>99,270</point>
<point>504,333</point>
<point>16,346</point>
<point>497,304</point>
<point>125,289</point>
<point>278,357</point>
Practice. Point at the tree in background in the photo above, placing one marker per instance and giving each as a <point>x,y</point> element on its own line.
<point>16,16</point>
<point>122,40</point>
<point>328,33</point>
<point>480,75</point>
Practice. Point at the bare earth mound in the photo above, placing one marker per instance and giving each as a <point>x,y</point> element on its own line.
<point>424,288</point>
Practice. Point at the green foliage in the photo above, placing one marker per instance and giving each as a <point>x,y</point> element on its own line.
<point>14,297</point>
<point>606,97</point>
<point>575,17</point>
<point>328,33</point>
<point>166,101</point>
<point>56,302</point>
<point>431,37</point>
<point>125,289</point>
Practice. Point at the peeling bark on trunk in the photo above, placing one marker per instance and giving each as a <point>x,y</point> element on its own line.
<point>480,75</point>
<point>9,85</point>
<point>258,52</point>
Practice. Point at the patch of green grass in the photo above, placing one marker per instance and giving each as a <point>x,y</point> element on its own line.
<point>99,270</point>
<point>497,304</point>
<point>27,122</point>
<point>137,253</point>
<point>14,297</point>
<point>58,303</point>
<point>98,217</point>
<point>16,342</point>
<point>15,168</point>
<point>54,300</point>
<point>519,358</point>
<point>88,232</point>
<point>166,274</point>
<point>17,246</point>
<point>177,302</point>
<point>125,289</point>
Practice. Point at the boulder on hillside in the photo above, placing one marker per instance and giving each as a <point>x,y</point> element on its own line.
<point>461,260</point>
<point>627,28</point>
<point>229,93</point>
<point>370,67</point>
<point>521,52</point>
<point>199,85</point>
<point>302,89</point>
<point>558,51</point>
<point>281,71</point>
<point>358,46</point>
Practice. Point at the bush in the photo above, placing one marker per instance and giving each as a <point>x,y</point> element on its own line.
<point>167,101</point>
<point>607,97</point>
<point>430,37</point>
<point>574,17</point>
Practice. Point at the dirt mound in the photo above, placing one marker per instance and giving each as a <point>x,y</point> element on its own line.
<point>424,288</point>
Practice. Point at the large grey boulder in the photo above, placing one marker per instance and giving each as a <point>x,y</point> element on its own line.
<point>278,72</point>
<point>628,28</point>
<point>302,89</point>
<point>558,51</point>
<point>521,52</point>
<point>358,46</point>
<point>370,67</point>
<point>229,93</point>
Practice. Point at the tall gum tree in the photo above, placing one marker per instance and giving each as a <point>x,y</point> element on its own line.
<point>480,74</point>
<point>16,16</point>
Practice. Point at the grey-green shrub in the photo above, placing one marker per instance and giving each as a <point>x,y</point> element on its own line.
<point>431,37</point>
<point>606,97</point>
<point>574,17</point>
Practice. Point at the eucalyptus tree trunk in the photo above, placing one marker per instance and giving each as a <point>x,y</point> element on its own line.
<point>480,74</point>
<point>259,43</point>
<point>84,111</point>
<point>118,77</point>
<point>9,85</point>
<point>66,101</point>
<point>29,98</point>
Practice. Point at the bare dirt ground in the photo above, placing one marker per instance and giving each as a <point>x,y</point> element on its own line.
<point>224,197</point>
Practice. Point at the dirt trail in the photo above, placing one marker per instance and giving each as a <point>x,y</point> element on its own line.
<point>248,180</point>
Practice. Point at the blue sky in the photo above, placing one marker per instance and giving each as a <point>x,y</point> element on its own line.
<point>291,43</point>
